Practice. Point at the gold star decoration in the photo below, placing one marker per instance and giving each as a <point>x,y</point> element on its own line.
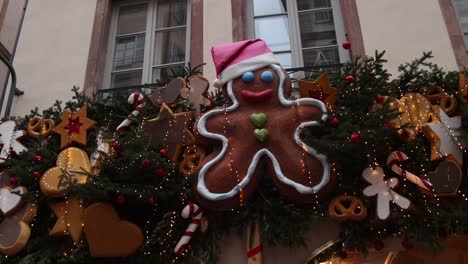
<point>70,214</point>
<point>319,89</point>
<point>170,130</point>
<point>73,127</point>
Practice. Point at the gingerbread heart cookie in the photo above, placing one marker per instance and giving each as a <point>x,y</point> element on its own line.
<point>107,235</point>
<point>72,165</point>
<point>10,199</point>
<point>446,179</point>
<point>15,231</point>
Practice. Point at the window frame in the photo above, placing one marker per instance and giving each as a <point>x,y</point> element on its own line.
<point>294,30</point>
<point>464,32</point>
<point>150,37</point>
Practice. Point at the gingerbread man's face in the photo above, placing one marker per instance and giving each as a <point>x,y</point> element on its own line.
<point>260,87</point>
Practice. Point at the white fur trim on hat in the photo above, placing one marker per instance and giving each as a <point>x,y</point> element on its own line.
<point>251,64</point>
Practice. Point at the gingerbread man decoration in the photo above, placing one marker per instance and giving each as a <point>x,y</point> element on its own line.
<point>260,129</point>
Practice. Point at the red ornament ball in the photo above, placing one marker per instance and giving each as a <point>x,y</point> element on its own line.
<point>145,163</point>
<point>160,172</point>
<point>346,44</point>
<point>151,201</point>
<point>120,199</point>
<point>14,181</point>
<point>36,174</point>
<point>116,145</point>
<point>163,152</point>
<point>388,124</point>
<point>335,122</point>
<point>38,158</point>
<point>355,138</point>
<point>379,245</point>
<point>349,79</point>
<point>379,98</point>
<point>406,243</point>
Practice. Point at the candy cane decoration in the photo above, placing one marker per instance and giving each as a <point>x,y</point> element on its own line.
<point>398,156</point>
<point>140,100</point>
<point>196,213</point>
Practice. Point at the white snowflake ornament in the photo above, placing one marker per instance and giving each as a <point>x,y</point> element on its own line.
<point>383,189</point>
<point>9,137</point>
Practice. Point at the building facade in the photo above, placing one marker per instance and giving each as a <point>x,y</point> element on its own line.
<point>108,44</point>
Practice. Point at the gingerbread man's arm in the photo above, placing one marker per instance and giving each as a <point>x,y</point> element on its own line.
<point>213,123</point>
<point>309,109</point>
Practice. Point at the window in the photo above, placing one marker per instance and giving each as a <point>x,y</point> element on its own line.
<point>299,32</point>
<point>462,11</point>
<point>148,40</point>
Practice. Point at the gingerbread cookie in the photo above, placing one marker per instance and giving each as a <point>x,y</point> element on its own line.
<point>14,229</point>
<point>9,138</point>
<point>74,127</point>
<point>192,156</point>
<point>37,126</point>
<point>72,165</point>
<point>347,207</point>
<point>10,199</point>
<point>107,235</point>
<point>196,93</point>
<point>260,129</point>
<point>436,95</point>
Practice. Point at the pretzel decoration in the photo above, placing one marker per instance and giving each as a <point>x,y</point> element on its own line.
<point>37,126</point>
<point>193,154</point>
<point>436,95</point>
<point>347,207</point>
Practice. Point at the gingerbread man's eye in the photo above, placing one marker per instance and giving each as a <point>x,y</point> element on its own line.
<point>248,77</point>
<point>267,76</point>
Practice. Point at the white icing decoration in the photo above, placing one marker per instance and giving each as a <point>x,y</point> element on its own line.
<point>383,190</point>
<point>446,131</point>
<point>201,186</point>
<point>9,199</point>
<point>9,138</point>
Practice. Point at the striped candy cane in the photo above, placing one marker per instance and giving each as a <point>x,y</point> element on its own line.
<point>196,213</point>
<point>398,156</point>
<point>140,100</point>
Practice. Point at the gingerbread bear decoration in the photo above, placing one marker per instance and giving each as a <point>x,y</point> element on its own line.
<point>261,128</point>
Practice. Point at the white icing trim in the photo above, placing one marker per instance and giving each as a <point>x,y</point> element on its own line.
<point>201,186</point>
<point>252,64</point>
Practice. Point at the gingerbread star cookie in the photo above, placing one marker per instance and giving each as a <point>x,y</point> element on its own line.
<point>74,127</point>
<point>319,89</point>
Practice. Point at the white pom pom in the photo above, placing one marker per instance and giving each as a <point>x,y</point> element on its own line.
<point>217,83</point>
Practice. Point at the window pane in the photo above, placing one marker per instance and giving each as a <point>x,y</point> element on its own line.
<point>164,75</point>
<point>466,40</point>
<point>132,19</point>
<point>311,4</point>
<point>317,57</point>
<point>169,46</point>
<point>123,79</point>
<point>129,52</point>
<point>266,7</point>
<point>317,28</point>
<point>171,13</point>
<point>274,31</point>
<point>285,59</point>
<point>462,11</point>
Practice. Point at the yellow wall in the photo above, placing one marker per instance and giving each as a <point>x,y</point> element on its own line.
<point>405,29</point>
<point>52,51</point>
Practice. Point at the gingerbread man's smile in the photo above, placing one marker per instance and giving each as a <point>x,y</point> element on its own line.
<point>255,97</point>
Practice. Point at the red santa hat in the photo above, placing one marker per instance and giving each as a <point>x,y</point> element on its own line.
<point>234,59</point>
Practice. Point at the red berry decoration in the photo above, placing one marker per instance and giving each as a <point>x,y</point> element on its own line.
<point>38,158</point>
<point>351,249</point>
<point>349,79</point>
<point>335,122</point>
<point>405,136</point>
<point>388,124</point>
<point>36,175</point>
<point>14,181</point>
<point>163,152</point>
<point>406,243</point>
<point>346,44</point>
<point>116,145</point>
<point>145,163</point>
<point>160,172</point>
<point>151,201</point>
<point>120,199</point>
<point>379,245</point>
<point>380,98</point>
<point>355,138</point>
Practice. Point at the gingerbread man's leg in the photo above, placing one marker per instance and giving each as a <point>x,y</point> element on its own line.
<point>301,178</point>
<point>222,181</point>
